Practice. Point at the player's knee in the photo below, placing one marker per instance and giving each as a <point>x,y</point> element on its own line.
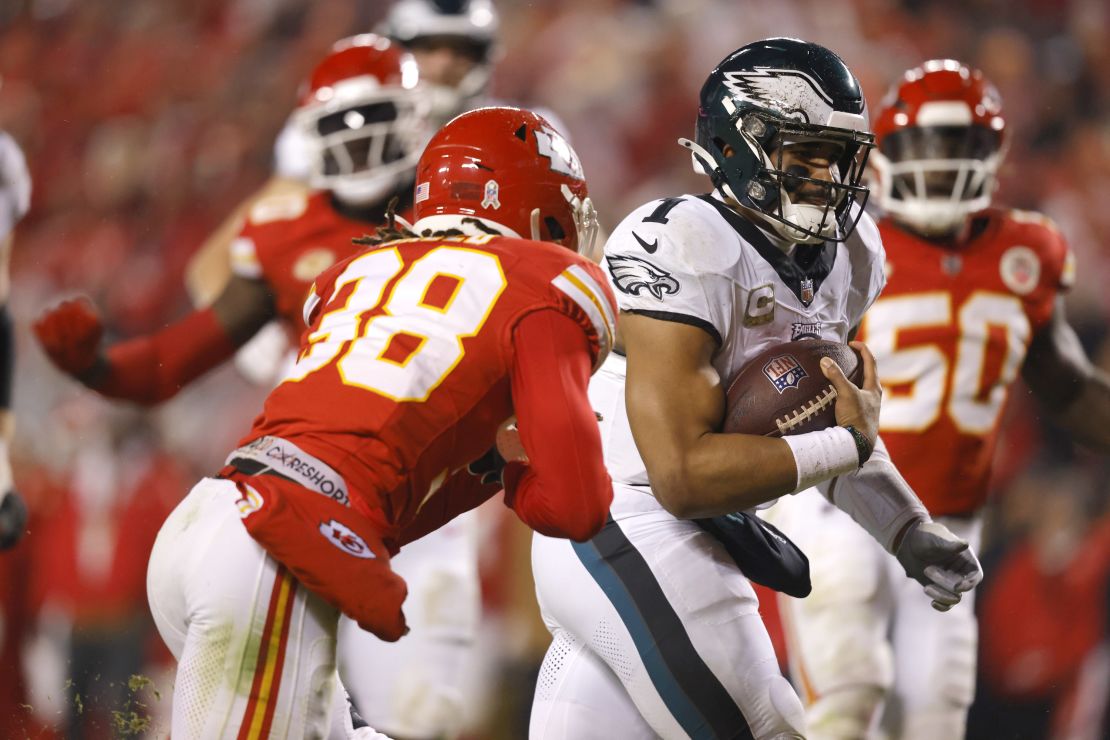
<point>945,714</point>
<point>843,714</point>
<point>425,710</point>
<point>940,721</point>
<point>787,716</point>
<point>450,605</point>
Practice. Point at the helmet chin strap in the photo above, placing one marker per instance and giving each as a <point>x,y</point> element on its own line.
<point>535,224</point>
<point>783,235</point>
<point>703,165</point>
<point>702,160</point>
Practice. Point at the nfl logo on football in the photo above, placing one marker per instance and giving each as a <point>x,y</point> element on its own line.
<point>784,372</point>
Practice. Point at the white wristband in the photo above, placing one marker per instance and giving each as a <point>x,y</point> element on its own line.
<point>822,455</point>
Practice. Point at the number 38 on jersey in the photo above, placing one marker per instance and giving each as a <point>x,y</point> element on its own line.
<point>395,329</point>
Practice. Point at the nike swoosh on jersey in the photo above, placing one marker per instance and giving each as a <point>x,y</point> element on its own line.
<point>649,248</point>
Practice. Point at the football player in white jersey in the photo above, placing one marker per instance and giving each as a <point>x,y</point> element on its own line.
<point>15,200</point>
<point>655,624</point>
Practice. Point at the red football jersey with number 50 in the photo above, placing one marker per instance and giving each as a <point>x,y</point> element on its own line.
<point>404,373</point>
<point>949,333</point>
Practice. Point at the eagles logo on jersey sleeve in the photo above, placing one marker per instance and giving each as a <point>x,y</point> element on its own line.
<point>660,263</point>
<point>633,275</point>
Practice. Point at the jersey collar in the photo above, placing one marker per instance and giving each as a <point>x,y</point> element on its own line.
<point>802,269</point>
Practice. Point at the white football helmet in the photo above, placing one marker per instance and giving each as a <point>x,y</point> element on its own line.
<point>473,23</point>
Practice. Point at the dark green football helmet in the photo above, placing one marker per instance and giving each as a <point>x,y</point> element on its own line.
<point>766,97</point>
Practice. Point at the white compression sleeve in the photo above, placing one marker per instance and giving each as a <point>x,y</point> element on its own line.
<point>822,455</point>
<point>877,497</point>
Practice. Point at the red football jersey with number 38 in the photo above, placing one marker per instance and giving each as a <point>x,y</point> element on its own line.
<point>404,374</point>
<point>949,333</point>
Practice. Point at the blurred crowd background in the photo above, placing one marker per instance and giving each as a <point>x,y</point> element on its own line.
<point>145,123</point>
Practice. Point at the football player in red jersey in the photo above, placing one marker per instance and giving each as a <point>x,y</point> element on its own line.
<point>418,350</point>
<point>366,112</point>
<point>972,299</point>
<point>364,116</point>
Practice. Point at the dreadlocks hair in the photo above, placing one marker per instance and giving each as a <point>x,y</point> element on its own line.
<point>392,231</point>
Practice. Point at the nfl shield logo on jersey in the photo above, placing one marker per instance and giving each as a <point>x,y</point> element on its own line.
<point>807,291</point>
<point>784,372</point>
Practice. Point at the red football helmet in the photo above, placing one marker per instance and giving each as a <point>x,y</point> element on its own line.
<point>511,169</point>
<point>939,142</point>
<point>365,117</point>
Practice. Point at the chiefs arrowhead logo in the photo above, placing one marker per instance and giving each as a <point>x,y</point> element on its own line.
<point>632,275</point>
<point>346,539</point>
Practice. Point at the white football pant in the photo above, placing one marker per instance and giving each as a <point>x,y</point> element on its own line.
<point>656,633</point>
<point>255,650</point>
<point>412,688</point>
<point>868,653</point>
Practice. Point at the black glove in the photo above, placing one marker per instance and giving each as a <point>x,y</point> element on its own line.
<point>488,467</point>
<point>13,519</point>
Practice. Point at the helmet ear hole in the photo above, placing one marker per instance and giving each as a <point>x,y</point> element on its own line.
<point>554,228</point>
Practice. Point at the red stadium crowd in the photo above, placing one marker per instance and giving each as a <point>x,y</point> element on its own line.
<point>145,124</point>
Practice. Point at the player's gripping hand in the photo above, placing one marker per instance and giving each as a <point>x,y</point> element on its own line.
<point>488,467</point>
<point>857,406</point>
<point>940,561</point>
<point>70,334</point>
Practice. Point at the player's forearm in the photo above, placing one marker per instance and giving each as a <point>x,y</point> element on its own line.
<point>564,489</point>
<point>151,369</point>
<point>878,498</point>
<point>722,473</point>
<point>1087,418</point>
<point>1068,385</point>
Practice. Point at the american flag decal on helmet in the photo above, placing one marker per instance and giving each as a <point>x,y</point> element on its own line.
<point>784,372</point>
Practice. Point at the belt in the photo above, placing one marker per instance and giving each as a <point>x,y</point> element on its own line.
<point>281,458</point>
<point>249,467</point>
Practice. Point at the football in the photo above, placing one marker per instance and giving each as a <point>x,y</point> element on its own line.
<point>782,391</point>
